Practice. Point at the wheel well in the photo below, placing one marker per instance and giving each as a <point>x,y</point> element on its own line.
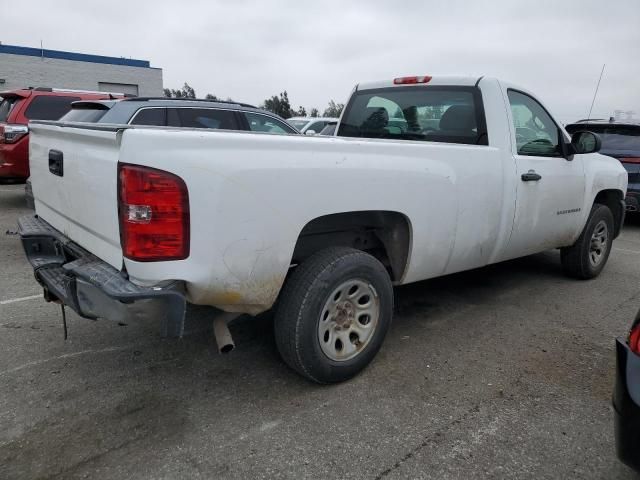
<point>612,199</point>
<point>383,234</point>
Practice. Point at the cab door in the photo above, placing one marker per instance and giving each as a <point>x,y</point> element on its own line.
<point>549,187</point>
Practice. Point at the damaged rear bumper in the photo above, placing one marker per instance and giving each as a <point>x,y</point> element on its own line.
<point>91,287</point>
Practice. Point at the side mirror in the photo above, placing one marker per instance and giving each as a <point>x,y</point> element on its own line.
<point>310,132</point>
<point>585,142</point>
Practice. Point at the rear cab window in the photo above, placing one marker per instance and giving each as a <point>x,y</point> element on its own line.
<point>49,107</point>
<point>7,104</point>
<point>425,113</point>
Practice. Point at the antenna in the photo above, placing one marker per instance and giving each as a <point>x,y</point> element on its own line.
<point>596,92</point>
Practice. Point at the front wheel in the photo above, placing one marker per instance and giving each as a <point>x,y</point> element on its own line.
<point>333,314</point>
<point>587,257</point>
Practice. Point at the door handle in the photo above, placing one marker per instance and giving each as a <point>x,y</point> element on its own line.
<point>530,176</point>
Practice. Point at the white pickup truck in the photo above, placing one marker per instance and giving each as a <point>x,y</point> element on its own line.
<point>425,177</point>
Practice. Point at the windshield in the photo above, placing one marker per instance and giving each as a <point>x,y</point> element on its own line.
<point>299,124</point>
<point>90,115</point>
<point>6,105</point>
<point>434,114</point>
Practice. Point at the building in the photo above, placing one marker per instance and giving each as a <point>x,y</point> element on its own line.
<point>22,67</point>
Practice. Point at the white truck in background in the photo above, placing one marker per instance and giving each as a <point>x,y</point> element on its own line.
<point>426,177</point>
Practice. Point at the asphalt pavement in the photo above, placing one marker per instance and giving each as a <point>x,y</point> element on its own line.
<point>504,372</point>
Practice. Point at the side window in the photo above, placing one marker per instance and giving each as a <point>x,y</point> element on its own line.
<point>150,116</point>
<point>207,118</point>
<point>264,123</point>
<point>536,133</point>
<point>49,107</point>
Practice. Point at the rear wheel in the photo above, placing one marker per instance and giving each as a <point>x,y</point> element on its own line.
<point>333,314</point>
<point>587,257</point>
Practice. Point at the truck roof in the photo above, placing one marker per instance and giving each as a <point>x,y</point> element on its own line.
<point>461,80</point>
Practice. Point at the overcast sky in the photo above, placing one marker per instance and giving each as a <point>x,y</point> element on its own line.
<point>250,49</point>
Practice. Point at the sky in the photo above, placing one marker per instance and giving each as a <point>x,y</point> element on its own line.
<point>252,49</point>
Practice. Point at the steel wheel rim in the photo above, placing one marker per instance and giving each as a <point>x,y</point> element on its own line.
<point>598,245</point>
<point>348,320</point>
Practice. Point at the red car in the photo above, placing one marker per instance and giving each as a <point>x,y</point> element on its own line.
<point>17,107</point>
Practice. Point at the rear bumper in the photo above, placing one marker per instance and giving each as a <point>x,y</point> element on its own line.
<point>92,288</point>
<point>626,405</point>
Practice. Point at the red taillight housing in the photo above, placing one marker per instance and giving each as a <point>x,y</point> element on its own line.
<point>153,206</point>
<point>634,339</point>
<point>412,80</point>
<point>12,133</point>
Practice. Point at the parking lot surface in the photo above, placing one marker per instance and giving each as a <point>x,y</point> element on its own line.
<point>502,372</point>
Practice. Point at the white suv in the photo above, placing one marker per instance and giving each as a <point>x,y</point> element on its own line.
<point>311,125</point>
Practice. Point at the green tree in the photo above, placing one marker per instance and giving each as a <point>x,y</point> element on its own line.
<point>279,105</point>
<point>333,110</point>
<point>185,92</point>
<point>301,112</point>
<point>314,113</point>
<point>209,96</point>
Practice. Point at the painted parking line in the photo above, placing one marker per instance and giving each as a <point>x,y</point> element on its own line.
<point>21,299</point>
<point>625,250</point>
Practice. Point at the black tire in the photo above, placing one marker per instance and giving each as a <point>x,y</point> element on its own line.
<point>576,259</point>
<point>304,299</point>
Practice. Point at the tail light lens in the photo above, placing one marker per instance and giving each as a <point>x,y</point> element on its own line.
<point>12,133</point>
<point>634,339</point>
<point>153,207</point>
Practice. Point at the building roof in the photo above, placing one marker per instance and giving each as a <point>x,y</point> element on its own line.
<point>76,57</point>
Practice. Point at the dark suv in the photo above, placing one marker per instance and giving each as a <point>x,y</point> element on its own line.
<point>620,140</point>
<point>17,107</point>
<point>179,112</point>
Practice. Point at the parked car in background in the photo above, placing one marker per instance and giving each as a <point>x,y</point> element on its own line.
<point>329,129</point>
<point>626,397</point>
<point>17,108</point>
<point>620,140</point>
<point>322,228</point>
<point>310,125</point>
<point>179,112</point>
<point>174,112</point>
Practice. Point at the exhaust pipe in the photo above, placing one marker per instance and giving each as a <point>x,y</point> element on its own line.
<point>222,333</point>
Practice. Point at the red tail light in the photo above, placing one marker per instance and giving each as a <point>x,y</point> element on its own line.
<point>412,80</point>
<point>634,339</point>
<point>12,133</point>
<point>154,214</point>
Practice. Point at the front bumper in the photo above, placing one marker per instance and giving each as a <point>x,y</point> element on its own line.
<point>633,198</point>
<point>626,405</point>
<point>92,288</point>
<point>14,159</point>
